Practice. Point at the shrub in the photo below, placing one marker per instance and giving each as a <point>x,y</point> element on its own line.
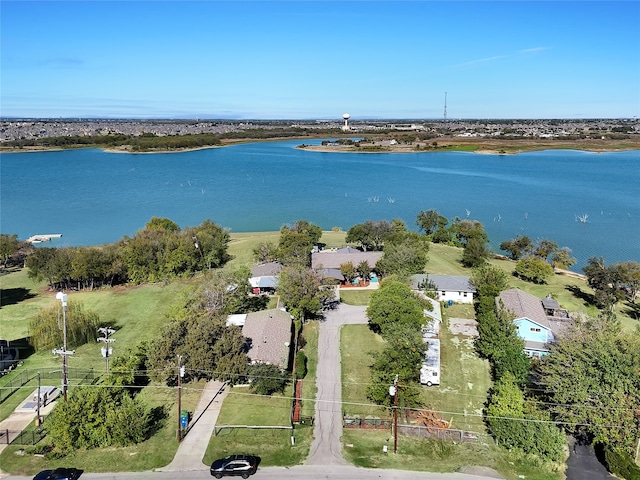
<point>620,463</point>
<point>301,365</point>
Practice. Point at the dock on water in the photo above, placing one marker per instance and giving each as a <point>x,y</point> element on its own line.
<point>46,237</point>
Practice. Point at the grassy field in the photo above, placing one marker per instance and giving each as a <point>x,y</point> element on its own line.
<point>309,387</point>
<point>364,449</point>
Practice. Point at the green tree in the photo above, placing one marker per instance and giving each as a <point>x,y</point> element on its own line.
<point>301,290</point>
<point>209,348</point>
<point>475,253</point>
<point>267,379</point>
<point>9,246</point>
<point>429,221</point>
<point>405,254</point>
<point>371,235</point>
<point>265,252</point>
<point>401,356</point>
<point>162,225</point>
<point>518,247</point>
<point>544,248</point>
<point>97,418</point>
<point>534,269</point>
<point>295,244</point>
<point>606,281</point>
<point>489,280</point>
<point>348,271</point>
<point>591,378</point>
<point>562,259</point>
<point>46,326</point>
<point>393,305</point>
<point>517,423</point>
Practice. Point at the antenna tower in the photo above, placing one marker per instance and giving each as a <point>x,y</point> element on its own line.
<point>445,110</point>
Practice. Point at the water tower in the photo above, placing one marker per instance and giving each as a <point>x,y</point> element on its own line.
<point>346,122</point>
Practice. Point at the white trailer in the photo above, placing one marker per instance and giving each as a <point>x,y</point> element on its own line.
<point>430,370</point>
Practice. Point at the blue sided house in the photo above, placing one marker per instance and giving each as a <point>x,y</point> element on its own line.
<point>532,323</point>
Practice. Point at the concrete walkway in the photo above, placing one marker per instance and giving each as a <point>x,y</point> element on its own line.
<point>194,444</point>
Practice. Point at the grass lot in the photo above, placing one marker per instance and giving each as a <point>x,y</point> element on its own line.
<point>357,342</point>
<point>355,297</point>
<point>156,452</point>
<point>309,387</point>
<point>271,445</point>
<point>435,456</point>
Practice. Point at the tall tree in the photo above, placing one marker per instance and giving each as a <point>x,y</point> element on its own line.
<point>591,379</point>
<point>429,221</point>
<point>394,304</point>
<point>302,292</point>
<point>9,246</point>
<point>518,247</point>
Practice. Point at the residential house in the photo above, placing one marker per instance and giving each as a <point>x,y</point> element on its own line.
<point>454,288</point>
<point>264,278</point>
<point>269,335</point>
<point>329,261</point>
<point>533,325</point>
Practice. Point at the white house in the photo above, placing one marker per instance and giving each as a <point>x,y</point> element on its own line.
<point>456,288</point>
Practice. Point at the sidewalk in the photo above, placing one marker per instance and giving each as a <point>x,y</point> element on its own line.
<point>194,444</point>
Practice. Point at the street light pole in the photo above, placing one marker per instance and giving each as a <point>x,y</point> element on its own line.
<point>64,352</point>
<point>393,391</point>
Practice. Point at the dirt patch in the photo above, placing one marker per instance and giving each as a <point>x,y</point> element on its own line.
<point>463,326</point>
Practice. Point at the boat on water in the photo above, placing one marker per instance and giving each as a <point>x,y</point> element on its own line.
<point>43,237</point>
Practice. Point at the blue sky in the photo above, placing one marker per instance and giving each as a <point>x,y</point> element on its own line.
<point>306,59</point>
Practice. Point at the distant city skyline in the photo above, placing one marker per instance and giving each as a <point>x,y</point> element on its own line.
<point>317,60</point>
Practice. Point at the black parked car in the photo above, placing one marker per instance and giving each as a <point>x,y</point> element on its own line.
<point>235,465</point>
<point>59,474</point>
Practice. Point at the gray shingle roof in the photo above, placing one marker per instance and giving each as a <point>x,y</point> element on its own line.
<point>266,269</point>
<point>333,259</point>
<point>446,283</point>
<point>523,304</point>
<point>268,334</point>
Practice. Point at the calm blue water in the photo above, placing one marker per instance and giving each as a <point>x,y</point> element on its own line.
<point>93,197</point>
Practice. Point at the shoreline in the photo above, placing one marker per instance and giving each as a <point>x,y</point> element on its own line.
<point>481,146</point>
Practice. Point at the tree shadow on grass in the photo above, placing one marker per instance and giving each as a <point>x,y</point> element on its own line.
<point>632,310</point>
<point>588,298</point>
<point>12,296</point>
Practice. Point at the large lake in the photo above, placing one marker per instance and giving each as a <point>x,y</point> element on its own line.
<point>94,197</point>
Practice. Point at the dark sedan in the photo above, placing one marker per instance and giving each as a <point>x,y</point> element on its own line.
<point>59,474</point>
<point>235,465</point>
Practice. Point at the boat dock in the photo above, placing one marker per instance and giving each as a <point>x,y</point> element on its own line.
<point>43,237</point>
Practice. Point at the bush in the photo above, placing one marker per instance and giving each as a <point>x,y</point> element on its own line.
<point>267,379</point>
<point>301,365</point>
<point>620,463</point>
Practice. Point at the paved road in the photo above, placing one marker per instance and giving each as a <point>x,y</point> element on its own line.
<point>307,472</point>
<point>583,463</point>
<point>326,448</point>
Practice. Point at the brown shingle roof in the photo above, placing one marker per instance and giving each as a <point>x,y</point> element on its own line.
<point>268,334</point>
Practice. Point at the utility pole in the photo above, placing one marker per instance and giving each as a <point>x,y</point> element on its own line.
<point>38,405</point>
<point>180,374</point>
<point>64,352</point>
<point>106,350</point>
<point>393,391</point>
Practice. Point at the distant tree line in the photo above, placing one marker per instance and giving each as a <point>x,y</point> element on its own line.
<point>159,251</point>
<point>144,142</point>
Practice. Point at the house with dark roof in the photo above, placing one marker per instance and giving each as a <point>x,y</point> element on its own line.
<point>328,261</point>
<point>533,325</point>
<point>269,335</point>
<point>455,288</point>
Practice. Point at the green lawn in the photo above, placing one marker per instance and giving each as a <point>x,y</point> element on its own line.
<point>355,297</point>
<point>357,342</point>
<point>309,387</point>
<point>156,452</point>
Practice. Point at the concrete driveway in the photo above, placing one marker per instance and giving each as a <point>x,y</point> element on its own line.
<point>326,448</point>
